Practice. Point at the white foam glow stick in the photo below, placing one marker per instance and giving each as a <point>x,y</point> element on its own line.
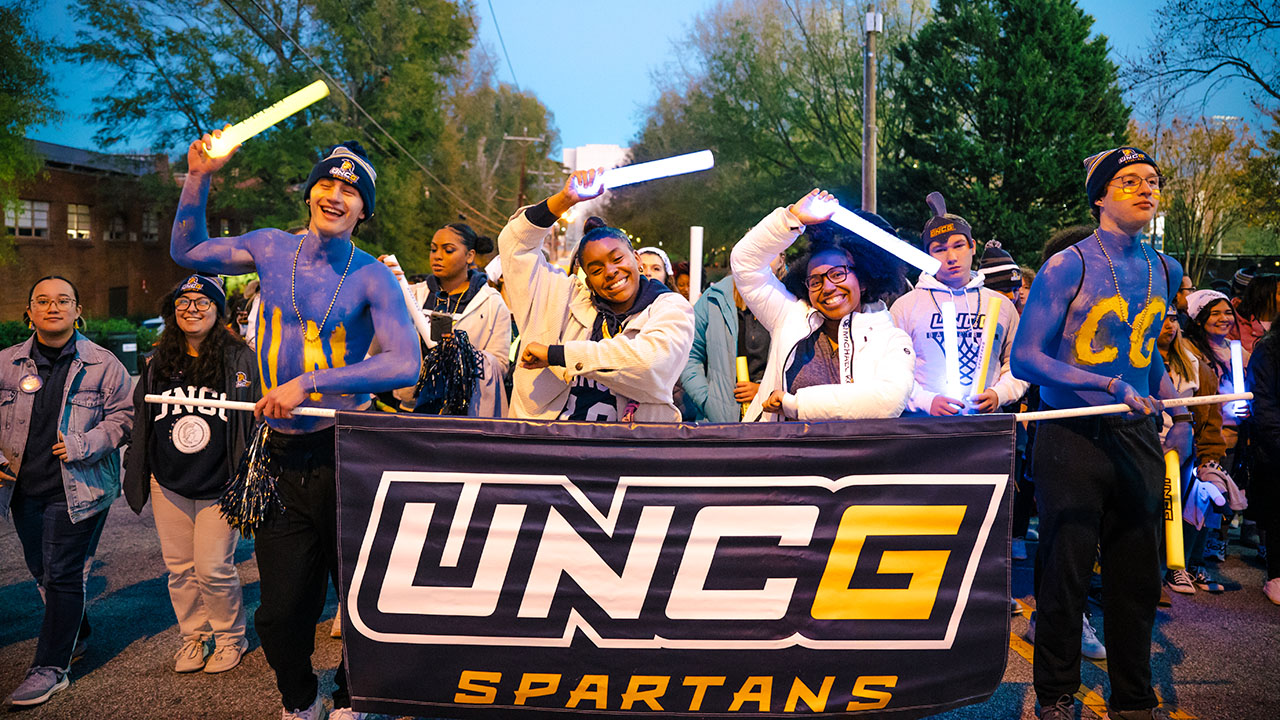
<point>654,170</point>
<point>951,349</point>
<point>415,313</point>
<point>695,262</point>
<point>263,119</point>
<point>905,251</point>
<point>1237,375</point>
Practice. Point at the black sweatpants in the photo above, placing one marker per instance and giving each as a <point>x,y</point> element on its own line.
<point>1098,484</point>
<point>297,557</point>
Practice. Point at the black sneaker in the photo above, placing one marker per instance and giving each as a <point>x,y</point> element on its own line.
<point>1064,709</point>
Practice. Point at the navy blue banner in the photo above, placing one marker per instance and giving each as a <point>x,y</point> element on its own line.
<point>495,567</point>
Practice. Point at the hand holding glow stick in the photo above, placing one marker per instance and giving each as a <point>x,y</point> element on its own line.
<point>905,251</point>
<point>415,313</point>
<point>1173,549</point>
<point>1237,377</point>
<point>951,350</point>
<point>646,171</point>
<point>988,343</point>
<point>256,123</point>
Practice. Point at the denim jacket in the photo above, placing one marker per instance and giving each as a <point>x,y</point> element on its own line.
<point>96,415</point>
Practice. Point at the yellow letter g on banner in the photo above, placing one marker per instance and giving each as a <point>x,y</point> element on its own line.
<point>835,600</point>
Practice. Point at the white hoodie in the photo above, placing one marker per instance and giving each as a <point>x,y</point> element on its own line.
<point>919,313</point>
<point>882,360</point>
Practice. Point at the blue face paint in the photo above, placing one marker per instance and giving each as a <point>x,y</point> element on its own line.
<point>1077,332</point>
<point>369,305</point>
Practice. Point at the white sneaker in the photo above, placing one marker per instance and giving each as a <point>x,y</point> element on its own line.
<point>1090,646</point>
<point>191,656</point>
<point>347,714</point>
<point>225,657</point>
<point>1271,589</point>
<point>315,712</point>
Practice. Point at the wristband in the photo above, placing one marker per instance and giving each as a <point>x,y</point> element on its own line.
<point>314,389</point>
<point>1109,383</point>
<point>1182,418</point>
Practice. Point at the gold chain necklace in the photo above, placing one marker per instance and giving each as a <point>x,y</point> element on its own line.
<point>1116,280</point>
<point>293,294</point>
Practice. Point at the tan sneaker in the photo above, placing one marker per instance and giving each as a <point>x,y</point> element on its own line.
<point>191,656</point>
<point>225,657</point>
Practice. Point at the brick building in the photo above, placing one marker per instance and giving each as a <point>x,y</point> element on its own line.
<point>102,221</point>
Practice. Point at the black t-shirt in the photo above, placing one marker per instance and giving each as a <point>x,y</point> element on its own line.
<point>753,342</point>
<point>189,443</point>
<point>41,473</point>
<point>590,401</point>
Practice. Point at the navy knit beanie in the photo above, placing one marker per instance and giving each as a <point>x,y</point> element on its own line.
<point>999,271</point>
<point>1100,168</point>
<point>349,163</point>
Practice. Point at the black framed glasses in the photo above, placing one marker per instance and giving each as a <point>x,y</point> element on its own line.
<point>836,274</point>
<point>201,304</point>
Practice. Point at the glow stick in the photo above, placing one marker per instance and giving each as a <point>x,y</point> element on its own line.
<point>646,171</point>
<point>234,405</point>
<point>415,313</point>
<point>743,376</point>
<point>905,251</point>
<point>988,343</point>
<point>1237,375</point>
<point>256,123</point>
<point>695,262</point>
<point>951,350</point>
<point>1118,408</point>
<point>1173,553</point>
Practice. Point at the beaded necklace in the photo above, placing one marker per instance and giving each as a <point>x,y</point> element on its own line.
<point>1116,280</point>
<point>293,295</point>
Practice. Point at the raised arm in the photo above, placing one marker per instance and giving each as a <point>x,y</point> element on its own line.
<point>190,245</point>
<point>751,258</point>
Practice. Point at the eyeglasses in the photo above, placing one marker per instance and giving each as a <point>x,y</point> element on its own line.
<point>201,304</point>
<point>43,303</point>
<point>1130,183</point>
<point>836,274</point>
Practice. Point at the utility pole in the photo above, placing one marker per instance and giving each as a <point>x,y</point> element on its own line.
<point>524,157</point>
<point>875,25</point>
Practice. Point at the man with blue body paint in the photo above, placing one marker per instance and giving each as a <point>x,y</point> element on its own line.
<point>1087,337</point>
<point>323,301</point>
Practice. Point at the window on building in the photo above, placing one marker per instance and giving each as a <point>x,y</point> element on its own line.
<point>30,221</point>
<point>78,222</point>
<point>116,231</point>
<point>150,227</point>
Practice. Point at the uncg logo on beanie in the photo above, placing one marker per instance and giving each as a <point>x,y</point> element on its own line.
<point>345,171</point>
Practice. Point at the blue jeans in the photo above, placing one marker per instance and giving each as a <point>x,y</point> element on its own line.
<point>55,550</point>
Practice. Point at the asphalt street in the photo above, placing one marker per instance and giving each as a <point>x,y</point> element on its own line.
<point>1215,656</point>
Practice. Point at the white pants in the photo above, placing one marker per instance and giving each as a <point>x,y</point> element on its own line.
<point>199,550</point>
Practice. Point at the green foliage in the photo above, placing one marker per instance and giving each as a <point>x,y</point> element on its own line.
<point>1001,101</point>
<point>774,88</point>
<point>26,99</point>
<point>187,66</point>
<point>13,332</point>
<point>1259,182</point>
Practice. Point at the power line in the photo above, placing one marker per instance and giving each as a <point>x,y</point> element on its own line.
<point>503,43</point>
<point>334,83</point>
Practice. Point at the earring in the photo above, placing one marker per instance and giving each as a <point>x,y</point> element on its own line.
<point>26,319</point>
<point>80,324</point>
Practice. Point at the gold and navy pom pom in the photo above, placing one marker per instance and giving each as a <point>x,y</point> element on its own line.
<point>251,496</point>
<point>449,374</point>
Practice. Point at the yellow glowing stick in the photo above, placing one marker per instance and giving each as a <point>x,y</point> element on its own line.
<point>743,376</point>
<point>988,342</point>
<point>1173,556</point>
<point>264,119</point>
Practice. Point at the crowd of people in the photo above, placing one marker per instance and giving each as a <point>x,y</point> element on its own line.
<point>833,332</point>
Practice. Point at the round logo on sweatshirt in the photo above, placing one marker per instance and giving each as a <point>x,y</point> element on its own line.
<point>190,434</point>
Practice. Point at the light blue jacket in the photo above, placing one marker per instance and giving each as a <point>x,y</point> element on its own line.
<point>712,371</point>
<point>96,415</point>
